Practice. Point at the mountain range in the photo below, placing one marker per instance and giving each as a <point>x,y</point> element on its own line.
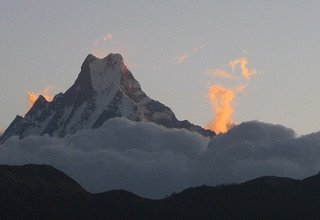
<point>105,88</point>
<point>43,192</point>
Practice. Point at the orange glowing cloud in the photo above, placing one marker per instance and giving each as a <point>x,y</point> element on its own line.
<point>220,73</point>
<point>242,62</point>
<point>222,97</point>
<point>33,96</point>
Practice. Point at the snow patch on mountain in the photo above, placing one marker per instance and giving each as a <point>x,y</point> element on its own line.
<point>103,77</point>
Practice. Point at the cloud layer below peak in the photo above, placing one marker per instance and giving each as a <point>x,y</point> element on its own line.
<point>153,161</point>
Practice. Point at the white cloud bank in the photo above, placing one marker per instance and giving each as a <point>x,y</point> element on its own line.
<point>153,161</point>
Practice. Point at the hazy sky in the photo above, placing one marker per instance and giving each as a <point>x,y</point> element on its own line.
<point>45,42</point>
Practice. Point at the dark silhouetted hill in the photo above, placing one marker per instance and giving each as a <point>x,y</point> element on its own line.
<point>43,192</point>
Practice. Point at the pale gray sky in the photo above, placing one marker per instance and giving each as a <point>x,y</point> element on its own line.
<point>45,42</point>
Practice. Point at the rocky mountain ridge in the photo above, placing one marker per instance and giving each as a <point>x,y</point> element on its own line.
<point>105,88</point>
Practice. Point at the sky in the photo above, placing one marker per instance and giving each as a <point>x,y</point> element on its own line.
<point>168,46</point>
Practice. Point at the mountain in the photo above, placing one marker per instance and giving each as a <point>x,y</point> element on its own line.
<point>43,192</point>
<point>31,191</point>
<point>104,89</point>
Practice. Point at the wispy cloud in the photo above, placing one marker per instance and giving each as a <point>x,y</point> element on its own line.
<point>99,48</point>
<point>183,57</point>
<point>242,63</point>
<point>107,37</point>
<point>220,73</point>
<point>222,97</point>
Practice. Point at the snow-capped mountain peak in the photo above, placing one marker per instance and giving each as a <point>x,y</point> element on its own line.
<point>104,89</point>
<point>106,73</point>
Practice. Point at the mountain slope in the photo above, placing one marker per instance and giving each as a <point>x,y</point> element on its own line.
<point>104,89</point>
<point>40,191</point>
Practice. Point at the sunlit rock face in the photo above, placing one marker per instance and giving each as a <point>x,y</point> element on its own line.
<point>105,88</point>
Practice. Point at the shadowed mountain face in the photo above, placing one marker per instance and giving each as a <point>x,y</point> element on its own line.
<point>42,192</point>
<point>36,176</point>
<point>104,89</point>
<point>34,191</point>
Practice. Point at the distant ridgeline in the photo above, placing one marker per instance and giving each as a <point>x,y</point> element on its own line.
<point>43,192</point>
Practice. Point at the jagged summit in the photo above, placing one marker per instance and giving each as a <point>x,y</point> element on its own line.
<point>110,59</point>
<point>105,88</point>
<point>97,73</point>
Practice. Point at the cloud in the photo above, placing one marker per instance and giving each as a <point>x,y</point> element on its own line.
<point>220,73</point>
<point>100,47</point>
<point>222,97</point>
<point>107,37</point>
<point>120,155</point>
<point>243,62</point>
<point>154,161</point>
<point>255,149</point>
<point>183,57</point>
